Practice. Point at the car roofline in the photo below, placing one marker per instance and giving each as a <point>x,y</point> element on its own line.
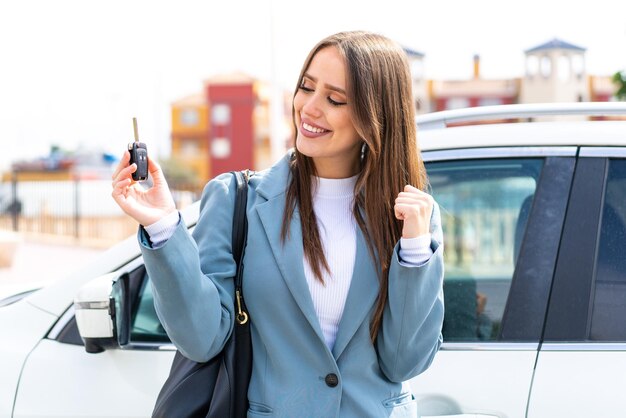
<point>605,133</point>
<point>445,118</point>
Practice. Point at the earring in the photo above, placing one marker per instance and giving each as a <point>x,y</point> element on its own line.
<point>363,149</point>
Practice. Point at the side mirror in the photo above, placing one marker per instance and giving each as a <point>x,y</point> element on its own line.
<point>102,312</point>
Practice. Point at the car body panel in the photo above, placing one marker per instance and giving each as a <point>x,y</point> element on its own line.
<point>492,381</point>
<point>114,383</point>
<point>581,383</point>
<point>22,326</point>
<point>58,296</point>
<point>11,293</point>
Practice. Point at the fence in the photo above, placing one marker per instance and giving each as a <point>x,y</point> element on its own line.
<point>78,210</point>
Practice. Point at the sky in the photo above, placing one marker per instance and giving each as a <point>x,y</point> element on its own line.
<point>74,73</point>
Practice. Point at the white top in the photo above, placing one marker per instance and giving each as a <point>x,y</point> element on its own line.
<point>333,201</point>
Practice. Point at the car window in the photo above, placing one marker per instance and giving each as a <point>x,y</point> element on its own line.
<point>609,309</point>
<point>145,325</point>
<point>484,208</point>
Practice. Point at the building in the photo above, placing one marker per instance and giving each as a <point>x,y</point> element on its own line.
<point>59,165</point>
<point>190,134</point>
<point>554,71</point>
<point>420,83</point>
<point>225,127</point>
<point>477,91</point>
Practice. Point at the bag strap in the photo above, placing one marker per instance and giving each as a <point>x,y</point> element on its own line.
<point>240,235</point>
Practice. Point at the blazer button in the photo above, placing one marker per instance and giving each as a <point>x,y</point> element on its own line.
<point>331,380</point>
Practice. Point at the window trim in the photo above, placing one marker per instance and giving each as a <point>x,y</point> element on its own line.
<point>584,346</point>
<point>552,193</point>
<point>568,317</point>
<point>61,323</point>
<point>614,339</point>
<point>525,313</point>
<point>603,152</point>
<point>498,152</point>
<point>489,346</point>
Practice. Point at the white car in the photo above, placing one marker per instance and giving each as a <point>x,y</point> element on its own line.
<point>534,217</point>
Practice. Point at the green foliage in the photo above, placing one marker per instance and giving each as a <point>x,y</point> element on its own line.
<point>619,78</point>
<point>178,174</point>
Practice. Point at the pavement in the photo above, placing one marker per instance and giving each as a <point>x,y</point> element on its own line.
<point>35,261</point>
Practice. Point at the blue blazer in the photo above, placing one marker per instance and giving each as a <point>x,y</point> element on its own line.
<point>294,373</point>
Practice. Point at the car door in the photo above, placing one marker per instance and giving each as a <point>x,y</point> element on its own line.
<point>581,368</point>
<point>61,379</point>
<point>502,214</point>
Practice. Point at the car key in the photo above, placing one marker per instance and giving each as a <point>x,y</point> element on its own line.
<point>138,155</point>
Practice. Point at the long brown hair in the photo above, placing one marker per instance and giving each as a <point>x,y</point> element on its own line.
<point>379,89</point>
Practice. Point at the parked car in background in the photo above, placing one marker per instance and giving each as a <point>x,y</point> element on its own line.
<point>534,219</point>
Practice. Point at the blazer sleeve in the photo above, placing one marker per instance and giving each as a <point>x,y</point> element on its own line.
<point>410,333</point>
<point>191,276</point>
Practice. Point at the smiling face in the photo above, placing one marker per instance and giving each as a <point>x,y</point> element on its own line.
<point>323,118</point>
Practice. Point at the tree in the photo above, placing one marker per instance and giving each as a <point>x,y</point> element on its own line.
<point>179,175</point>
<point>619,78</point>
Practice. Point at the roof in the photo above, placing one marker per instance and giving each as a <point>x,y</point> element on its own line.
<point>476,87</point>
<point>235,77</point>
<point>555,44</point>
<point>413,53</point>
<point>192,100</point>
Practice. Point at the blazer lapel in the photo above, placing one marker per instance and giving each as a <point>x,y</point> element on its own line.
<point>361,296</point>
<point>289,257</point>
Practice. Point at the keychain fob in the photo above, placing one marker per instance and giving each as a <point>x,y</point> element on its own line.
<point>138,155</point>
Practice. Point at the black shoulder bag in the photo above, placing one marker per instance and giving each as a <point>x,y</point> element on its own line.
<point>219,387</point>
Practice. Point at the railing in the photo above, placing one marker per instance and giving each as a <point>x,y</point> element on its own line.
<point>76,210</point>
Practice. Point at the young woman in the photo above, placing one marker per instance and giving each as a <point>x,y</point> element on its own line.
<point>343,266</point>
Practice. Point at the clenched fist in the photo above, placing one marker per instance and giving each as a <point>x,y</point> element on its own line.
<point>414,207</point>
